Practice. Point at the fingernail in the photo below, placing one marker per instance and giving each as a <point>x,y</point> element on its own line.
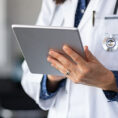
<point>65,47</point>
<point>48,58</point>
<point>50,52</point>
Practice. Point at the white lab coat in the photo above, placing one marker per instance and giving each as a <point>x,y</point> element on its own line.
<point>76,100</point>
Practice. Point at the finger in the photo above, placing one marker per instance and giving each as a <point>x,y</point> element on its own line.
<point>55,51</point>
<point>56,76</point>
<point>56,64</point>
<point>89,55</point>
<point>62,59</point>
<point>74,55</point>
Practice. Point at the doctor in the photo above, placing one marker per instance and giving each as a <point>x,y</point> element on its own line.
<point>89,87</point>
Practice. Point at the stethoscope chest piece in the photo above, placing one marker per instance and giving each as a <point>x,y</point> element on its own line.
<point>110,43</point>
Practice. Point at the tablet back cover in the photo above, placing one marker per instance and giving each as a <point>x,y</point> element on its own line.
<point>35,42</point>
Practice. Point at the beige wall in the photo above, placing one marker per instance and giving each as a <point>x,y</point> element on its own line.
<point>23,11</point>
<point>3,39</point>
<point>14,12</point>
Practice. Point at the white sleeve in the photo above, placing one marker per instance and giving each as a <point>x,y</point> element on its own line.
<point>31,82</point>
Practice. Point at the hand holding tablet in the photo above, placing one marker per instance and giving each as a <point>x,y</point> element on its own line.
<point>36,41</point>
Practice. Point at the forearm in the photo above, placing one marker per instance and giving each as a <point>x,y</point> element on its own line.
<point>48,89</point>
<point>52,85</point>
<point>112,95</point>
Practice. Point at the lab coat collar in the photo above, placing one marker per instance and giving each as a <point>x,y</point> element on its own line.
<point>69,9</point>
<point>92,6</point>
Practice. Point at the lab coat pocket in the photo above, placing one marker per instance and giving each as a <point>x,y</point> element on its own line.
<point>110,42</point>
<point>111,24</point>
<point>107,30</point>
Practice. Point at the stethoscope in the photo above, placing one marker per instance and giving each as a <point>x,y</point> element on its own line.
<point>110,43</point>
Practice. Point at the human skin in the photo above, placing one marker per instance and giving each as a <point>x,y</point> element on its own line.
<point>88,72</point>
<point>53,81</point>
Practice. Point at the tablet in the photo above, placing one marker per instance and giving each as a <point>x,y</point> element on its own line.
<point>36,41</point>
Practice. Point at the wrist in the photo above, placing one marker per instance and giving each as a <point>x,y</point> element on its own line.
<point>111,86</point>
<point>52,85</point>
<point>52,81</point>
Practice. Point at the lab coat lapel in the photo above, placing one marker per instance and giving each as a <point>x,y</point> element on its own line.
<point>67,14</point>
<point>88,13</point>
<point>57,19</point>
<point>69,8</point>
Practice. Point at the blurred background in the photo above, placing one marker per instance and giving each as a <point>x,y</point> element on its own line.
<point>14,103</point>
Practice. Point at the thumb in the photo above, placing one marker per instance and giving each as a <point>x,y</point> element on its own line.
<point>89,55</point>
